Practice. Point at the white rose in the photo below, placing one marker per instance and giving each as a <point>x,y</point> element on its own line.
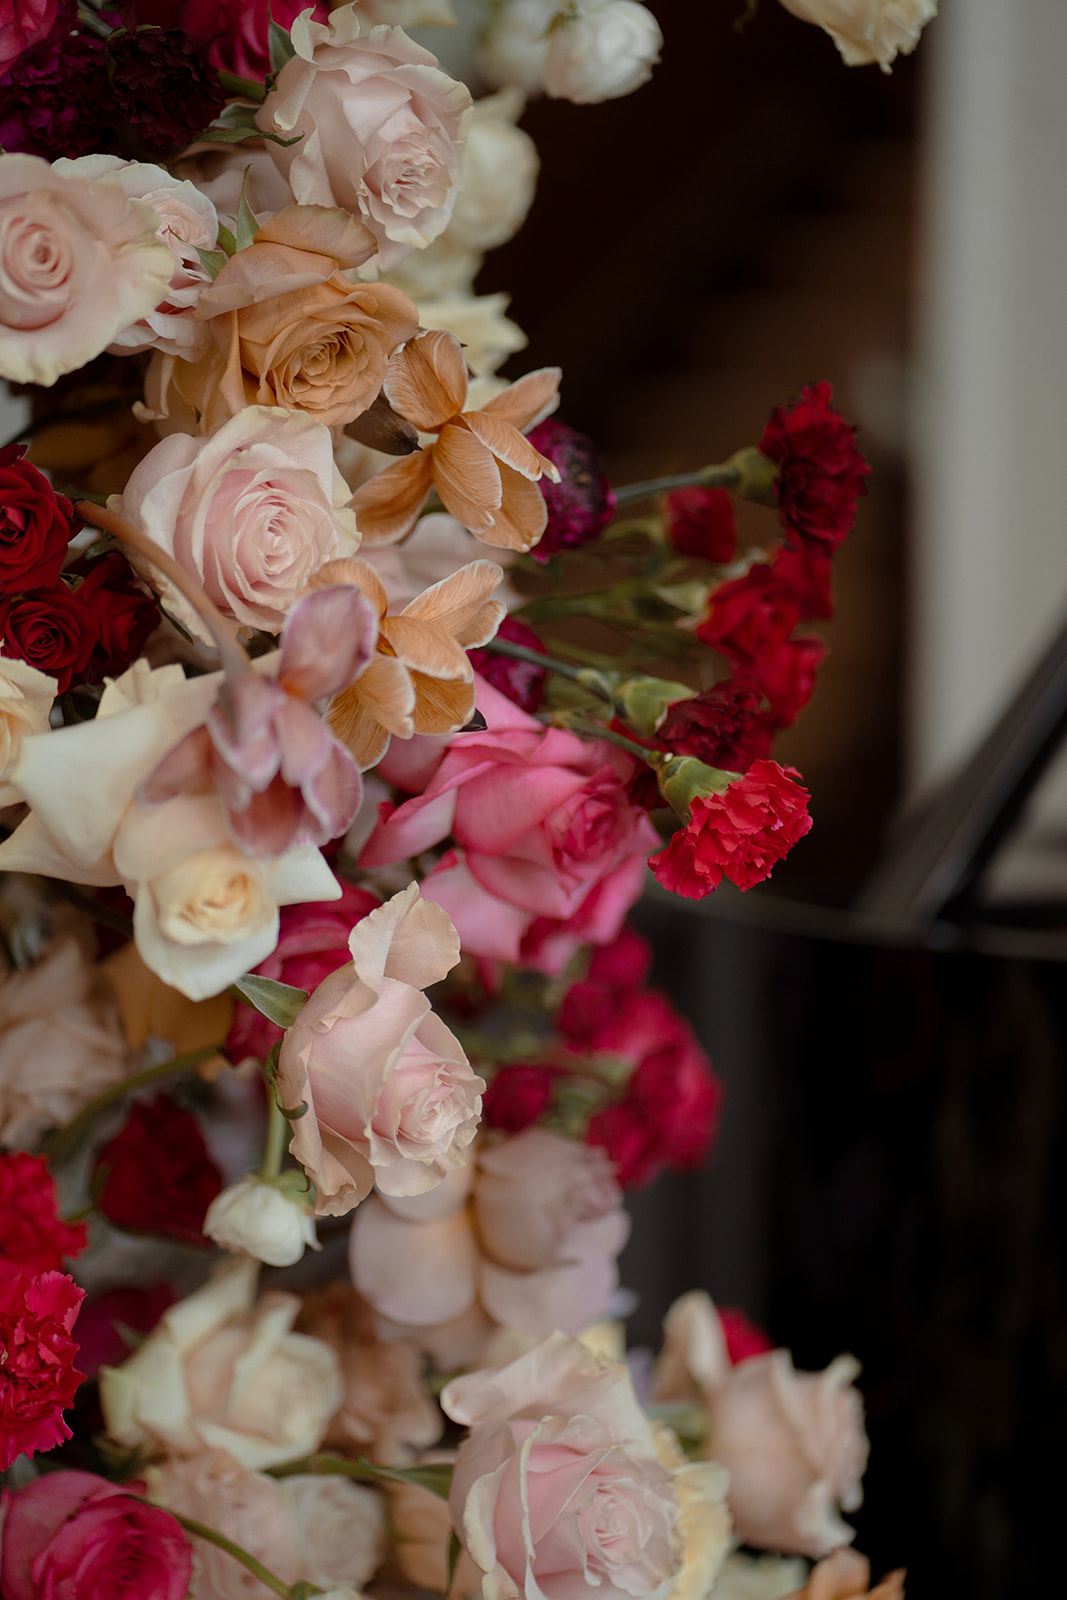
<point>498,174</point>
<point>488,336</point>
<point>261,1220</point>
<point>868,31</point>
<point>26,697</point>
<point>213,1488</point>
<point>516,44</point>
<point>760,1578</point>
<point>604,49</point>
<point>340,1527</point>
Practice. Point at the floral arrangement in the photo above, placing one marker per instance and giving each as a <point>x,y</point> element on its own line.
<point>323,813</point>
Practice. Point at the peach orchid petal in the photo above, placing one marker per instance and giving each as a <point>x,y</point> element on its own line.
<point>427,380</point>
<point>466,477</point>
<point>426,646</point>
<point>529,400</point>
<point>380,703</point>
<point>509,445</point>
<point>442,707</point>
<point>388,506</point>
<point>522,516</point>
<point>461,604</point>
<point>360,574</point>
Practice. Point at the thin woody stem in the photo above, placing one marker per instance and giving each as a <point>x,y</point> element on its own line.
<point>275,1142</point>
<point>64,1140</point>
<point>594,730</point>
<point>199,1530</point>
<point>726,476</point>
<point>589,677</point>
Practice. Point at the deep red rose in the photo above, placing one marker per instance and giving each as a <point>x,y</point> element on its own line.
<point>743,1339</point>
<point>36,525</point>
<point>54,98</point>
<point>701,522</point>
<point>236,30</point>
<point>740,833</point>
<point>807,574</point>
<point>726,726</point>
<point>582,503</point>
<point>749,617</point>
<point>517,1095</point>
<point>49,629</point>
<point>23,23</point>
<point>108,1319</point>
<point>787,677</point>
<point>614,973</point>
<point>38,1379</point>
<point>124,614</point>
<point>312,943</point>
<point>164,86</point>
<point>32,1234</point>
<point>522,682</point>
<point>155,1175</point>
<point>821,473</point>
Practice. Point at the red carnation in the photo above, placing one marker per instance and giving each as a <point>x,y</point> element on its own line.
<point>787,677</point>
<point>806,573</point>
<point>520,681</point>
<point>155,1175</point>
<point>613,974</point>
<point>749,617</point>
<point>582,503</point>
<point>51,630</point>
<point>38,1378</point>
<point>725,726</point>
<point>701,522</point>
<point>32,1234</point>
<point>821,473</point>
<point>517,1095</point>
<point>123,613</point>
<point>36,525</point>
<point>740,832</point>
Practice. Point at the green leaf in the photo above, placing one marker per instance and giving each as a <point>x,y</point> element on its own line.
<point>224,135</point>
<point>281,45</point>
<point>246,225</point>
<point>294,1116</point>
<point>280,1002</point>
<point>212,261</point>
<point>227,241</point>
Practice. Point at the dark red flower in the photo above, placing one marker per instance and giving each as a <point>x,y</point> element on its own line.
<point>36,525</point>
<point>51,630</point>
<point>107,1320</point>
<point>743,1339</point>
<point>749,617</point>
<point>155,1175</point>
<point>38,1379</point>
<point>124,613</point>
<point>740,833</point>
<point>725,726</point>
<point>521,681</point>
<point>582,503</point>
<point>517,1095</point>
<point>701,522</point>
<point>235,31</point>
<point>807,574</point>
<point>787,677</point>
<point>821,473</point>
<point>164,86</point>
<point>54,99</point>
<point>614,973</point>
<point>32,1233</point>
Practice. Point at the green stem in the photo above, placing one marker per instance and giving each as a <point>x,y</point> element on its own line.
<point>65,1140</point>
<point>246,88</point>
<point>81,1216</point>
<point>726,476</point>
<point>594,730</point>
<point>589,677</point>
<point>276,1140</point>
<point>436,1478</point>
<point>212,1536</point>
<point>92,23</point>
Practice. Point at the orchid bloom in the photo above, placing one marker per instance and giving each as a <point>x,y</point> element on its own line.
<point>483,469</point>
<point>420,680</point>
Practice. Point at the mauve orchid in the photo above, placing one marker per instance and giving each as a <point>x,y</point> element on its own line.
<point>264,748</point>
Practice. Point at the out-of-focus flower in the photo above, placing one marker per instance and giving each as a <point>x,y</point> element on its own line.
<point>527,1236</point>
<point>582,502</point>
<point>235,31</point>
<point>79,262</point>
<point>38,1378</point>
<point>519,681</point>
<point>701,522</point>
<point>497,176</point>
<point>32,1233</point>
<point>214,1488</point>
<point>106,1322</point>
<point>745,1577</point>
<point>50,630</point>
<point>23,23</point>
<point>26,698</point>
<point>616,970</point>
<point>380,129</point>
<point>222,1370</point>
<point>422,1542</point>
<point>391,1096</point>
<point>155,1175</point>
<point>420,680</point>
<point>483,469</point>
<point>600,50</point>
<point>786,677</point>
<point>725,726</point>
<point>518,1094</point>
<point>261,1219</point>
<point>515,49</point>
<point>749,618</point>
<point>123,616</point>
<point>341,1529</point>
<point>806,571</point>
<point>846,1575</point>
<point>868,31</point>
<point>53,97</point>
<point>821,473</point>
<point>76,1535</point>
<point>163,85</point>
<point>36,525</point>
<point>739,830</point>
<point>488,336</point>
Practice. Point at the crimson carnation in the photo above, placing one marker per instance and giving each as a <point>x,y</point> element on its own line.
<point>38,1379</point>
<point>163,85</point>
<point>739,833</point>
<point>749,617</point>
<point>520,681</point>
<point>725,726</point>
<point>701,522</point>
<point>517,1096</point>
<point>807,574</point>
<point>613,973</point>
<point>155,1175</point>
<point>36,525</point>
<point>821,473</point>
<point>32,1234</point>
<point>49,629</point>
<point>582,503</point>
<point>787,677</point>
<point>54,98</point>
<point>123,613</point>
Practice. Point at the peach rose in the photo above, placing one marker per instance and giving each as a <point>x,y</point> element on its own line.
<point>79,262</point>
<point>26,697</point>
<point>251,512</point>
<point>382,129</point>
<point>392,1099</point>
<point>525,1237</point>
<point>224,1371</point>
<point>288,327</point>
<point>846,1575</point>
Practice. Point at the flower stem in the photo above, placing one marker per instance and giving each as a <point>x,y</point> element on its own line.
<point>65,1140</point>
<point>436,1477</point>
<point>246,88</point>
<point>277,1137</point>
<point>724,476</point>
<point>589,677</point>
<point>92,23</point>
<point>212,1536</point>
<point>595,730</point>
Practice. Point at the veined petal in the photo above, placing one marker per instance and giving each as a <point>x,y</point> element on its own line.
<point>388,506</point>
<point>427,646</point>
<point>529,400</point>
<point>522,516</point>
<point>442,706</point>
<point>466,476</point>
<point>509,445</point>
<point>360,574</point>
<point>427,380</point>
<point>461,604</point>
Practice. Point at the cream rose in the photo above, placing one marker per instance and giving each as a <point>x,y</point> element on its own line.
<point>214,1488</point>
<point>381,129</point>
<point>340,1529</point>
<point>79,262</point>
<point>263,1220</point>
<point>498,175</point>
<point>515,50</point>
<point>187,224</point>
<point>600,50</point>
<point>224,1371</point>
<point>26,698</point>
<point>251,512</point>
<point>868,31</point>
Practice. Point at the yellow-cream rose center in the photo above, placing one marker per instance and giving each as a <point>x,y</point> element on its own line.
<point>213,897</point>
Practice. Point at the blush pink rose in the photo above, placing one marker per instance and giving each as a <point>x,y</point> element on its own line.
<point>380,129</point>
<point>74,1536</point>
<point>392,1099</point>
<point>23,23</point>
<point>550,849</point>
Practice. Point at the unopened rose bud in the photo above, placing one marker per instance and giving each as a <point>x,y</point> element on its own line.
<point>645,700</point>
<point>683,779</point>
<point>600,50</point>
<point>266,1220</point>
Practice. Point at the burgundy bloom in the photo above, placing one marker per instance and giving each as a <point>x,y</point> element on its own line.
<point>517,1095</point>
<point>38,1379</point>
<point>51,630</point>
<point>807,574</point>
<point>522,682</point>
<point>32,1234</point>
<point>740,833</point>
<point>726,726</point>
<point>107,1320</point>
<point>36,525</point>
<point>155,1175</point>
<point>54,98</point>
<point>821,473</point>
<point>701,522</point>
<point>614,972</point>
<point>124,613</point>
<point>163,85</point>
<point>582,503</point>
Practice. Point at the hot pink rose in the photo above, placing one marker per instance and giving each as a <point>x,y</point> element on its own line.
<point>74,1536</point>
<point>23,23</point>
<point>549,847</point>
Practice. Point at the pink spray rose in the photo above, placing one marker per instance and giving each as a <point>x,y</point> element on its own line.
<point>23,23</point>
<point>549,846</point>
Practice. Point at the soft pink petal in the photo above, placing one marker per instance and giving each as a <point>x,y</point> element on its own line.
<point>329,637</point>
<point>414,1272</point>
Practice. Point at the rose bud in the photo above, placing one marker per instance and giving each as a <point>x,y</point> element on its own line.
<point>269,1221</point>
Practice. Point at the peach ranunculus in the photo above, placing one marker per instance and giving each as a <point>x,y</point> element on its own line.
<point>420,681</point>
<point>483,469</point>
<point>26,697</point>
<point>79,262</point>
<point>251,512</point>
<point>868,31</point>
<point>224,1371</point>
<point>380,129</point>
<point>526,1236</point>
<point>793,1442</point>
<point>562,1483</point>
<point>846,1575</point>
<point>392,1099</point>
<point>204,912</point>
<point>187,224</point>
<point>288,327</point>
